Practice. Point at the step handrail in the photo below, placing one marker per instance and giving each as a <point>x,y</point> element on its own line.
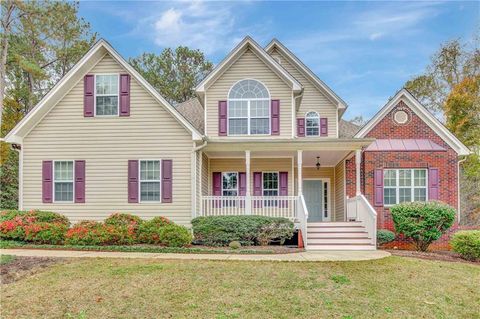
<point>363,211</point>
<point>302,216</point>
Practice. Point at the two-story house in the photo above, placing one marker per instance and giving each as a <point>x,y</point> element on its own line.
<point>264,137</point>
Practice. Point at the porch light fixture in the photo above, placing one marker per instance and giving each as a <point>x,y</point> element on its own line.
<point>318,163</point>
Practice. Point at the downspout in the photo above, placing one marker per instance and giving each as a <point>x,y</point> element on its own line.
<point>198,148</point>
<point>196,175</point>
<point>458,186</point>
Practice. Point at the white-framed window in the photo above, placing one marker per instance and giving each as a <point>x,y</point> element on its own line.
<point>312,124</point>
<point>63,175</point>
<point>270,184</point>
<point>106,94</point>
<point>248,108</point>
<point>149,180</point>
<point>230,184</point>
<point>404,185</point>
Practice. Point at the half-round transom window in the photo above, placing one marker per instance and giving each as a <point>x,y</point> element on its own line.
<point>312,124</point>
<point>248,108</point>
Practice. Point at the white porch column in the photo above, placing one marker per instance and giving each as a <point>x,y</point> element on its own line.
<point>299,172</point>
<point>248,201</point>
<point>358,160</point>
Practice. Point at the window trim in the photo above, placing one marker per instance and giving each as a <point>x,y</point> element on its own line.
<point>305,119</point>
<point>278,183</point>
<point>95,95</point>
<point>150,180</point>
<point>238,183</point>
<point>249,117</point>
<point>72,181</point>
<point>412,186</point>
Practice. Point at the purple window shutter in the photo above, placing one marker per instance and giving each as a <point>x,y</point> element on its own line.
<point>88,95</point>
<point>79,181</point>
<point>300,126</point>
<point>257,188</point>
<point>323,126</point>
<point>124,94</point>
<point>378,187</point>
<point>167,179</point>
<point>133,181</point>
<point>242,183</point>
<point>47,181</point>
<point>217,184</point>
<point>275,110</point>
<point>283,176</point>
<point>433,183</point>
<point>222,118</point>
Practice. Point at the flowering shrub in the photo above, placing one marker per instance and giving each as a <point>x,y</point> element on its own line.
<point>149,231</point>
<point>94,233</point>
<point>14,223</point>
<point>128,221</point>
<point>45,233</point>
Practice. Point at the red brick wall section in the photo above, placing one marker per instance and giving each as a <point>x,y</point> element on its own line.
<point>415,128</point>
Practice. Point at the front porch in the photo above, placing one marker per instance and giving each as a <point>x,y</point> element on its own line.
<point>307,186</point>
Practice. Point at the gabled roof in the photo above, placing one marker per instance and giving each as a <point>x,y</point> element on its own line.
<point>341,104</point>
<point>423,113</point>
<point>95,54</point>
<point>246,43</point>
<point>192,110</point>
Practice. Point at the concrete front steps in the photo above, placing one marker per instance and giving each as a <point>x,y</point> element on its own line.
<point>338,236</point>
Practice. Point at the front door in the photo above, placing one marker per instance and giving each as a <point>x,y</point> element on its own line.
<point>314,192</point>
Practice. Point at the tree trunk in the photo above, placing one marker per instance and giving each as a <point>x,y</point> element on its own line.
<point>6,27</point>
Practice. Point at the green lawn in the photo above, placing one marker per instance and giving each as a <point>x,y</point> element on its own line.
<point>393,287</point>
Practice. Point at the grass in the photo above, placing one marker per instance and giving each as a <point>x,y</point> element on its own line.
<point>393,287</point>
<point>5,259</point>
<point>6,244</point>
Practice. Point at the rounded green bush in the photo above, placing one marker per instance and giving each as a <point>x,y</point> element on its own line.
<point>175,236</point>
<point>149,231</point>
<point>235,245</point>
<point>385,236</point>
<point>467,244</point>
<point>423,222</point>
<point>94,233</point>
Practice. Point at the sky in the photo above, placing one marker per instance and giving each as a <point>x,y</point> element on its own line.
<point>364,51</point>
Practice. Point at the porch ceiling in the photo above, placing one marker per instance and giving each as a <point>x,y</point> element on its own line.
<point>327,158</point>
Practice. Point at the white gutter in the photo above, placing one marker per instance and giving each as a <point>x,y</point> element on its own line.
<point>198,148</point>
<point>458,187</point>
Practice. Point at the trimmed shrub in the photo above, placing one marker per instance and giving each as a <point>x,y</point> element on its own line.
<point>14,223</point>
<point>34,216</point>
<point>123,219</point>
<point>234,245</point>
<point>248,230</point>
<point>423,222</point>
<point>94,233</point>
<point>175,236</point>
<point>276,230</point>
<point>385,236</point>
<point>45,233</point>
<point>467,244</point>
<point>149,231</point>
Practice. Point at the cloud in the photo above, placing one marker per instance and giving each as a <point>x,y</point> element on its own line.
<point>209,26</point>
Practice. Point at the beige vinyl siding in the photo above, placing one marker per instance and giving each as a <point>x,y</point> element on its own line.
<point>256,165</point>
<point>106,144</point>
<point>340,191</point>
<point>313,99</point>
<point>204,174</point>
<point>249,66</point>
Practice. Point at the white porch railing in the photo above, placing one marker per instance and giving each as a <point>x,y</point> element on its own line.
<point>302,217</point>
<point>272,206</point>
<point>358,208</point>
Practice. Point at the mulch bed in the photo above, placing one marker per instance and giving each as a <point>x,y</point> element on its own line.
<point>24,266</point>
<point>442,255</point>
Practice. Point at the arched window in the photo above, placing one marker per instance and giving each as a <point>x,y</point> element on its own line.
<point>248,108</point>
<point>312,124</point>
